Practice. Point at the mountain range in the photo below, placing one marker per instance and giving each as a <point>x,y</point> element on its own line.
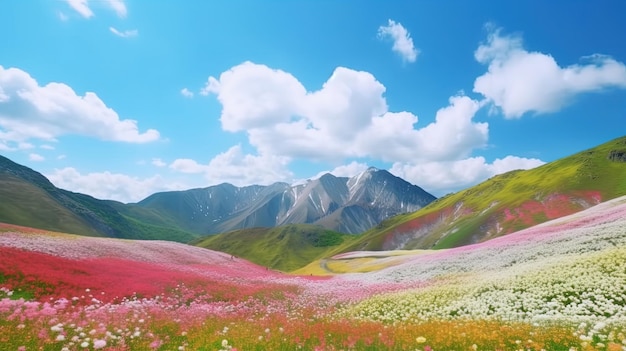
<point>348,205</point>
<point>504,204</point>
<point>266,224</point>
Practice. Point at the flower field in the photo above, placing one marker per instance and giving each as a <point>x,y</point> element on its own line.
<point>557,286</point>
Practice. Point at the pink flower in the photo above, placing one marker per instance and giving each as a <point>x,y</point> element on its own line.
<point>156,344</point>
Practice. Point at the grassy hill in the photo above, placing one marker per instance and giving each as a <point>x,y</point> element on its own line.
<point>506,203</point>
<point>285,248</point>
<point>27,204</point>
<point>29,199</point>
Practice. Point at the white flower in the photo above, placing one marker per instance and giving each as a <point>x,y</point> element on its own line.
<point>99,343</point>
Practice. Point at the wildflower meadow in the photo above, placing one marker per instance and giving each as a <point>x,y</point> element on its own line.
<point>557,286</point>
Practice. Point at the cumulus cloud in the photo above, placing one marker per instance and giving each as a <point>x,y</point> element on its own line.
<point>36,157</point>
<point>237,168</point>
<point>187,165</point>
<point>347,118</point>
<point>255,96</point>
<point>82,7</point>
<point>186,93</point>
<point>440,178</point>
<point>348,170</point>
<point>111,186</point>
<point>124,34</point>
<point>45,112</point>
<point>402,41</point>
<point>518,81</point>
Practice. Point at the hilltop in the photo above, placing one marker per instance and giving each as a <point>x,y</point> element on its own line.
<point>506,203</point>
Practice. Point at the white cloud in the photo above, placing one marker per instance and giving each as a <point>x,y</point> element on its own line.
<point>61,157</point>
<point>25,146</point>
<point>32,111</point>
<point>255,96</point>
<point>453,134</point>
<point>62,16</point>
<point>111,186</point>
<point>118,6</point>
<point>519,81</point>
<point>47,147</point>
<point>158,162</point>
<point>402,41</point>
<point>349,170</point>
<point>187,165</point>
<point>347,118</point>
<point>186,93</point>
<point>35,157</point>
<point>124,34</point>
<point>235,167</point>
<point>81,7</point>
<point>440,178</point>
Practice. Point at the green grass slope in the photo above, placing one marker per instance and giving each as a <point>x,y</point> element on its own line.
<point>506,203</point>
<point>26,204</point>
<point>29,199</point>
<point>285,248</point>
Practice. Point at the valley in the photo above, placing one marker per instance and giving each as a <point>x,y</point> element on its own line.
<point>312,175</point>
<point>551,277</point>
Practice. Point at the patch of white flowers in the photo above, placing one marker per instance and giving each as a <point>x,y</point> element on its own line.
<point>577,275</point>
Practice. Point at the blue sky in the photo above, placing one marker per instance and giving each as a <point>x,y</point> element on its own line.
<point>123,98</point>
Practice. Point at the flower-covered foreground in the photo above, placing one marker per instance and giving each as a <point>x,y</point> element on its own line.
<point>557,286</point>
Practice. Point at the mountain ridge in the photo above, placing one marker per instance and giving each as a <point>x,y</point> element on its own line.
<point>348,205</point>
<point>317,201</point>
<point>34,201</point>
<point>506,203</point>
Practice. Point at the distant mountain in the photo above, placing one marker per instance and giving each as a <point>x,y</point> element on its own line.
<point>348,205</point>
<point>29,199</point>
<point>285,248</point>
<point>506,203</point>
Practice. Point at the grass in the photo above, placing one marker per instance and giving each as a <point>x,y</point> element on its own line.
<point>26,204</point>
<point>579,177</point>
<point>357,264</point>
<point>31,200</point>
<point>285,248</point>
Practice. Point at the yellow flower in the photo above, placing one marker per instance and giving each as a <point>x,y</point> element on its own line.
<point>420,340</point>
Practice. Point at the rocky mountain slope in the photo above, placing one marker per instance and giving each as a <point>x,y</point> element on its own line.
<point>348,205</point>
<point>507,203</point>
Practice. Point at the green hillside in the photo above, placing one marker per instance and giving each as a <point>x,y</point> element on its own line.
<point>284,248</point>
<point>24,203</point>
<point>506,203</point>
<point>29,199</point>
